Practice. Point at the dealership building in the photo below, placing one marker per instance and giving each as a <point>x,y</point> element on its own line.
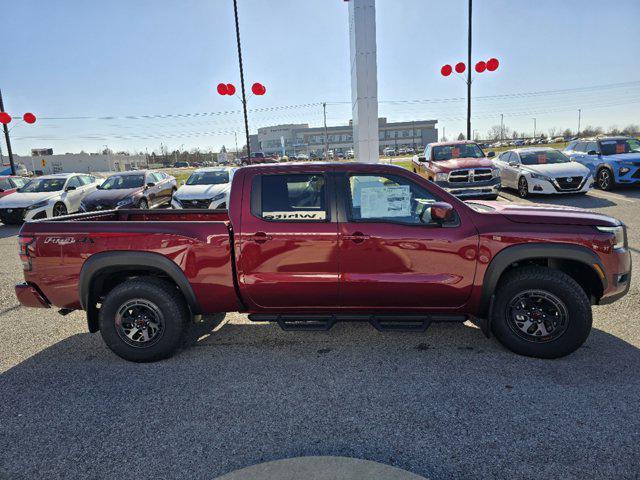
<point>44,163</point>
<point>300,138</point>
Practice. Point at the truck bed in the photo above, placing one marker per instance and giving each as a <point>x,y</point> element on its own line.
<point>197,241</point>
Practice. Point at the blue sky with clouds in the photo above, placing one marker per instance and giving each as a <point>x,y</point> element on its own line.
<point>143,59</point>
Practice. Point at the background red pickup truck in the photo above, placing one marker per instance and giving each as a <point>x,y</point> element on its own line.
<point>306,245</point>
<point>460,168</point>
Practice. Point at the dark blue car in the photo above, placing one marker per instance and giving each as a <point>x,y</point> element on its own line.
<point>613,161</point>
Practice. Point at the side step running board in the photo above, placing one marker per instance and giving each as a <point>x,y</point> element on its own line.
<point>298,322</point>
<point>382,323</point>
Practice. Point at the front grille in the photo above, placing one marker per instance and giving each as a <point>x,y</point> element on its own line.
<point>195,203</point>
<point>12,215</point>
<point>471,175</point>
<point>569,183</point>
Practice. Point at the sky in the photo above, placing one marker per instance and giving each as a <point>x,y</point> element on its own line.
<point>132,74</point>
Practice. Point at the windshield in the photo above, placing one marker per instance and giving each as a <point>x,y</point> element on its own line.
<point>613,147</point>
<point>119,182</point>
<point>461,150</point>
<point>208,178</point>
<point>44,185</point>
<point>543,157</point>
<point>5,184</point>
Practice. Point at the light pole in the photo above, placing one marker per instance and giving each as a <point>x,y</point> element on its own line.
<point>534,128</point>
<point>5,118</point>
<point>579,115</point>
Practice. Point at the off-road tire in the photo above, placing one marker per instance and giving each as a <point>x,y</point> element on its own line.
<point>558,284</point>
<point>159,293</point>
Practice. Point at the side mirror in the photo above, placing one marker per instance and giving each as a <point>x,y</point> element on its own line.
<point>513,164</point>
<point>441,211</point>
<point>183,182</point>
<point>491,154</point>
<point>422,158</point>
<point>151,184</point>
<point>592,152</point>
<point>68,189</point>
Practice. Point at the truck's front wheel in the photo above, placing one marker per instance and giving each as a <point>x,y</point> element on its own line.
<point>541,312</point>
<point>143,319</point>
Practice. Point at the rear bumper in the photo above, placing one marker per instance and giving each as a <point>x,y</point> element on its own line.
<point>29,296</point>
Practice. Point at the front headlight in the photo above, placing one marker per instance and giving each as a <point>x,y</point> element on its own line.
<point>623,170</point>
<point>540,177</point>
<point>44,203</point>
<point>619,235</point>
<point>220,196</point>
<point>442,177</point>
<point>126,201</point>
<point>495,172</point>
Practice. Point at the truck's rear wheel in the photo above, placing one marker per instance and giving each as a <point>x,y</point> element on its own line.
<point>143,319</point>
<point>540,312</point>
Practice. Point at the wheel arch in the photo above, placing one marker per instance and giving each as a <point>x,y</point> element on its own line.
<point>578,262</point>
<point>102,270</point>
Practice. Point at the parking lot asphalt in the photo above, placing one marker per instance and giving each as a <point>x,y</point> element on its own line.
<point>447,403</point>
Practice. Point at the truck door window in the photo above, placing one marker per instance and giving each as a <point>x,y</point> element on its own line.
<point>389,198</point>
<point>297,198</point>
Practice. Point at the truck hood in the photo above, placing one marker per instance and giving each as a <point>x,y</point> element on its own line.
<point>458,163</point>
<point>201,192</point>
<point>22,200</point>
<point>551,214</point>
<point>567,169</point>
<point>109,197</point>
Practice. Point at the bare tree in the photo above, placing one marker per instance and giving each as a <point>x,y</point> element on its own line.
<point>461,136</point>
<point>614,130</point>
<point>495,132</point>
<point>631,129</point>
<point>553,132</point>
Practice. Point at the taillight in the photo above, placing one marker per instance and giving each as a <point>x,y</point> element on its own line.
<point>26,246</point>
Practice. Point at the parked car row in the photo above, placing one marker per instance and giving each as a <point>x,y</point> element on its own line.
<point>464,170</point>
<point>60,194</point>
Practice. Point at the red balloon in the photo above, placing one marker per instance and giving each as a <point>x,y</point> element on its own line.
<point>492,64</point>
<point>231,89</point>
<point>263,90</point>
<point>460,67</point>
<point>446,70</point>
<point>481,66</point>
<point>222,89</point>
<point>29,117</point>
<point>5,117</point>
<point>256,88</point>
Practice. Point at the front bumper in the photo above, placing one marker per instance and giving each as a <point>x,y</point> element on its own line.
<point>489,188</point>
<point>619,281</point>
<point>29,296</point>
<point>23,214</point>
<point>545,187</point>
<point>200,203</point>
<point>629,178</point>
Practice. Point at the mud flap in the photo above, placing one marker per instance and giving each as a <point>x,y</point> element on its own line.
<point>485,323</point>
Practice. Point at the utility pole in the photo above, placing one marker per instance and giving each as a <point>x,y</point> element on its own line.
<point>235,134</point>
<point>579,114</point>
<point>244,96</point>
<point>501,126</point>
<point>534,128</point>
<point>444,135</point>
<point>326,138</point>
<point>469,78</point>
<point>5,127</point>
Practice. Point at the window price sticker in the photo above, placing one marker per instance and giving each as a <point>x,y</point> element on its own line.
<point>384,202</point>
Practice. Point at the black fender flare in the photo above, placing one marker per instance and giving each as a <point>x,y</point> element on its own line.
<point>124,260</point>
<point>530,251</point>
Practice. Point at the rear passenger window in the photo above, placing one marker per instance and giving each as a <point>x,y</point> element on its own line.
<point>297,198</point>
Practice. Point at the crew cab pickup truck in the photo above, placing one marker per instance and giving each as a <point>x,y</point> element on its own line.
<point>306,245</point>
<point>460,168</point>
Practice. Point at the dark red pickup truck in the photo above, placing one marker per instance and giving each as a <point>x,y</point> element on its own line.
<point>306,245</point>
